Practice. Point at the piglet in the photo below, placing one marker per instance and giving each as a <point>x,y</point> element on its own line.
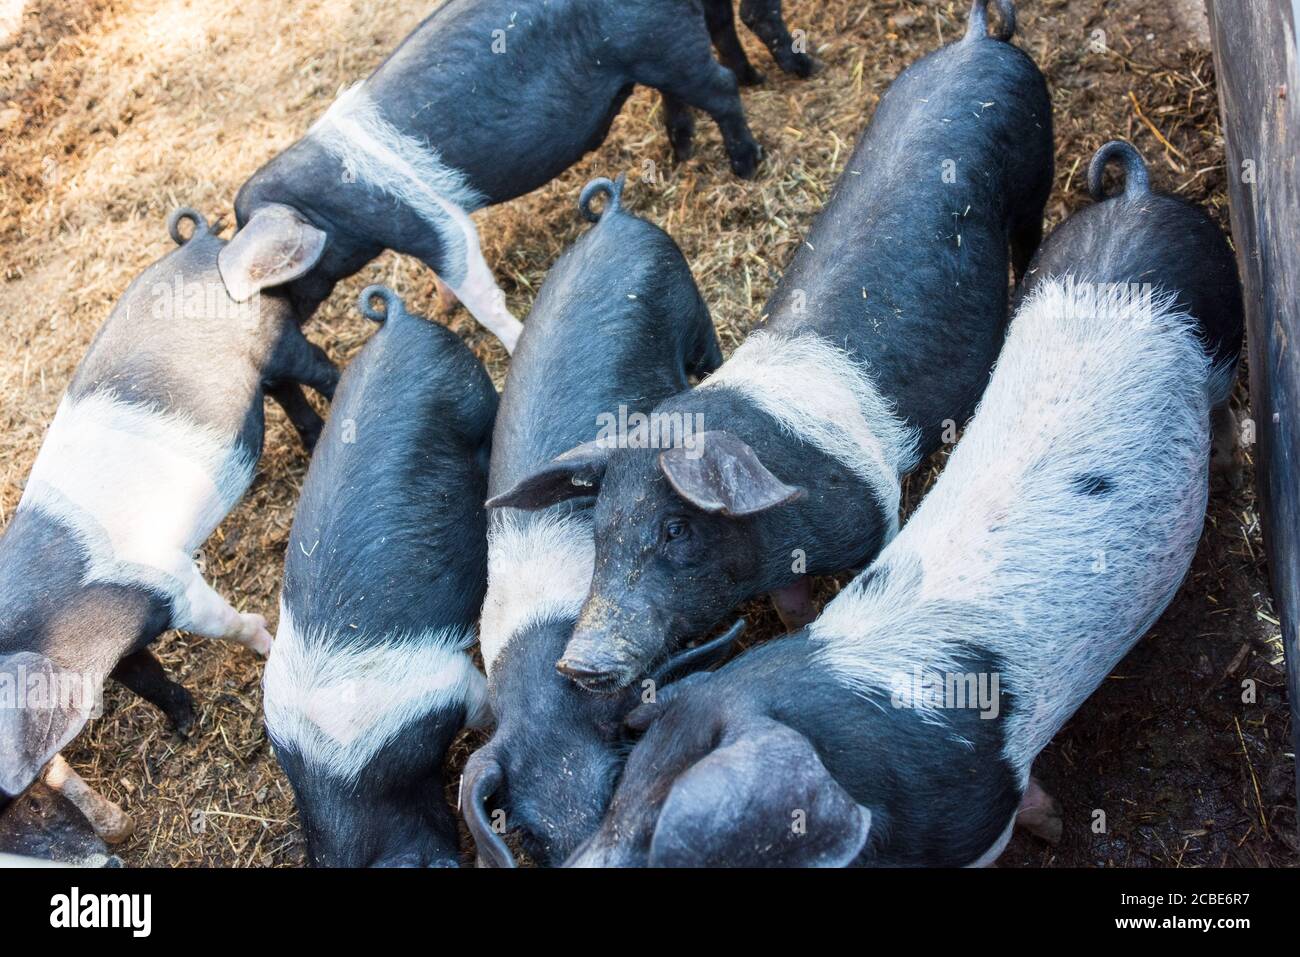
<point>879,339</point>
<point>152,445</point>
<point>900,728</point>
<point>485,101</point>
<point>617,325</point>
<point>371,676</point>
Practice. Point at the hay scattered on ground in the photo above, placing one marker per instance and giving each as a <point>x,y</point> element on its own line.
<point>113,112</point>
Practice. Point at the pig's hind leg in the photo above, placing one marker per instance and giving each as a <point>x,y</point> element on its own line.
<point>1040,813</point>
<point>721,21</point>
<point>211,616</point>
<point>680,124</point>
<point>1227,461</point>
<point>764,18</point>
<point>143,674</point>
<point>688,72</point>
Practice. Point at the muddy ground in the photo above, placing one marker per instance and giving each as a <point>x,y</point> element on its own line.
<point>112,112</point>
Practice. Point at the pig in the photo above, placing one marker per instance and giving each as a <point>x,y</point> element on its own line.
<point>617,325</point>
<point>878,339</point>
<point>901,727</point>
<point>153,443</point>
<point>485,101</point>
<point>371,677</point>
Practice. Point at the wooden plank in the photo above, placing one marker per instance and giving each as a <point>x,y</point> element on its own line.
<point>1257,62</point>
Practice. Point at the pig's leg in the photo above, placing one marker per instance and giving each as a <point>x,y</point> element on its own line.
<point>297,359</point>
<point>764,18</point>
<point>1040,813</point>
<point>1227,464</point>
<point>144,675</point>
<point>1025,238</point>
<point>447,300</point>
<point>478,289</point>
<point>690,73</point>
<point>794,603</point>
<point>721,20</point>
<point>211,616</point>
<point>680,123</point>
<point>110,822</point>
<point>305,420</point>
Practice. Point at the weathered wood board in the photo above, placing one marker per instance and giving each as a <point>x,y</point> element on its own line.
<point>1257,62</point>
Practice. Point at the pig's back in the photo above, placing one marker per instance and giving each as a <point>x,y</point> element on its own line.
<point>390,532</point>
<point>560,71</point>
<point>614,325</point>
<point>184,347</point>
<point>906,269</point>
<point>1063,524</point>
<point>1151,238</point>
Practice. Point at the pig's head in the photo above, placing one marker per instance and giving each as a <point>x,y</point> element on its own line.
<point>361,728</point>
<point>392,812</point>
<point>59,639</point>
<point>716,785</point>
<point>682,538</point>
<point>551,766</point>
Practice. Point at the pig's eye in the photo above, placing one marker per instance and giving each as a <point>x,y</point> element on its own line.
<point>675,528</point>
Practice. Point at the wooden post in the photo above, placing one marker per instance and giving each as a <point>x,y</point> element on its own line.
<point>1257,62</point>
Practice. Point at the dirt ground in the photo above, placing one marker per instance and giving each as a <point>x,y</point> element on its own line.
<point>112,112</point>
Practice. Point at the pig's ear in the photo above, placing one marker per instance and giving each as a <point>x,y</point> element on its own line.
<point>42,708</point>
<point>647,713</point>
<point>720,474</point>
<point>275,246</point>
<point>575,474</point>
<point>765,800</point>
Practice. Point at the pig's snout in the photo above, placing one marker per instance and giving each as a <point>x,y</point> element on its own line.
<point>415,859</point>
<point>612,645</point>
<point>602,661</point>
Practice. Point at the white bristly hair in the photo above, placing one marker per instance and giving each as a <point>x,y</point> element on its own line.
<point>819,393</point>
<point>340,699</point>
<point>1010,552</point>
<point>142,489</point>
<point>539,569</point>
<point>379,154</point>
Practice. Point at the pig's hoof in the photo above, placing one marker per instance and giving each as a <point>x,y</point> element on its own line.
<point>745,159</point>
<point>111,823</point>
<point>748,76</point>
<point>801,65</point>
<point>1040,814</point>
<point>181,715</point>
<point>683,143</point>
<point>257,637</point>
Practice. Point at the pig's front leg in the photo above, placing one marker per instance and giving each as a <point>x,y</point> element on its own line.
<point>211,616</point>
<point>692,75</point>
<point>304,419</point>
<point>144,675</point>
<point>794,603</point>
<point>298,359</point>
<point>110,822</point>
<point>477,289</point>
